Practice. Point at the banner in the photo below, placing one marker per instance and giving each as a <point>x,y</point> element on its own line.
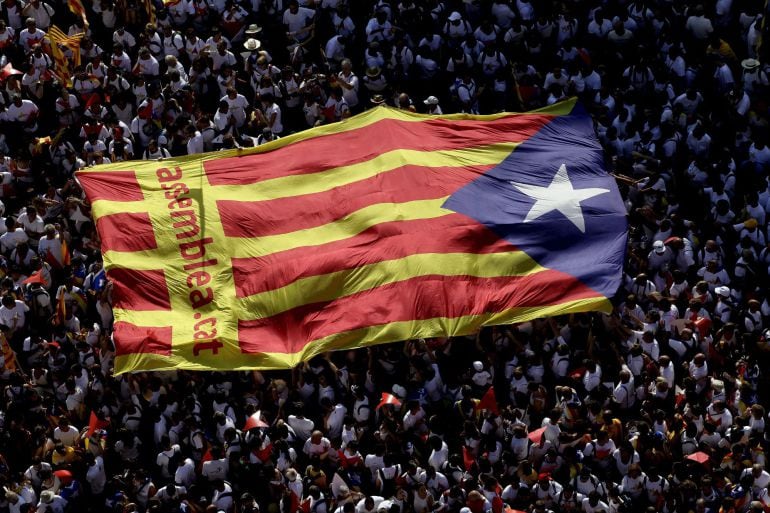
<point>384,227</point>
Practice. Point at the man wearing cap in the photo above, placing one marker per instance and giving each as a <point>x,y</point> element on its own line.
<point>547,490</point>
<point>431,103</point>
<point>51,503</point>
<point>724,307</point>
<point>659,256</point>
<point>755,81</point>
<point>456,28</point>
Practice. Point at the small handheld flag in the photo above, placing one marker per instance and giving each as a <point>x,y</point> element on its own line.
<point>388,399</point>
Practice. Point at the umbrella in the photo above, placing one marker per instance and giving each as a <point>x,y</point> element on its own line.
<point>535,435</point>
<point>699,457</point>
<point>9,70</point>
<point>388,399</point>
<point>65,476</point>
<point>255,421</point>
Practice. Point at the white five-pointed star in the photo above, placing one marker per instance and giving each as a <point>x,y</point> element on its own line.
<point>561,196</point>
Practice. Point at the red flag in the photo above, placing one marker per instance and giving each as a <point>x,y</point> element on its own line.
<point>145,112</point>
<point>264,453</point>
<point>497,504</point>
<point>329,113</point>
<point>255,421</point>
<point>95,423</point>
<point>388,399</point>
<point>468,459</point>
<point>93,99</point>
<point>36,277</point>
<point>489,402</point>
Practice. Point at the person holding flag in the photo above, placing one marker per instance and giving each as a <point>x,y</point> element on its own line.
<point>53,249</point>
<point>69,300</point>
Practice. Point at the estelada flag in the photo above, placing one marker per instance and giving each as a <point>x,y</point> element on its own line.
<point>387,226</point>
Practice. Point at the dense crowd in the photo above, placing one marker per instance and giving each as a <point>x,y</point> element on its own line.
<point>660,406</point>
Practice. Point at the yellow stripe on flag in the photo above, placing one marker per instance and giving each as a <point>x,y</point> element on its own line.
<point>296,185</point>
<point>327,287</point>
<point>348,226</point>
<point>364,337</point>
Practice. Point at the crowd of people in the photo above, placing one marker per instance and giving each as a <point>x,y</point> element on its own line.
<point>660,406</point>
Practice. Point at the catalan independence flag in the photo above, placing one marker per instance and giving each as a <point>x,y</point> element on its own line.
<point>384,227</point>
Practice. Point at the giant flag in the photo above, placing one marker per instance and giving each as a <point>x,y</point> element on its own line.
<point>384,227</point>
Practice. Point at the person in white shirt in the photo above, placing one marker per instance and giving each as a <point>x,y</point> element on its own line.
<point>13,313</point>
<point>348,81</point>
<point>439,452</point>
<point>335,416</point>
<point>698,25</point>
<point>66,434</point>
<point>223,496</point>
<point>185,473</point>
<point>216,468</point>
<point>15,502</point>
<point>317,446</point>
<point>298,21</point>
<point>302,426</point>
<point>96,476</point>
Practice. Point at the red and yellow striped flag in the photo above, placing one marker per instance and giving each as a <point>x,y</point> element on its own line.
<point>63,68</point>
<point>77,8</point>
<point>8,355</point>
<point>385,227</point>
<point>149,7</point>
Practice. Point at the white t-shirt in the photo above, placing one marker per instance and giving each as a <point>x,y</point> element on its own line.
<point>68,438</point>
<point>17,314</point>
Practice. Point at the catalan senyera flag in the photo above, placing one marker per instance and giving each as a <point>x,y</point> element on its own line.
<point>76,7</point>
<point>63,69</point>
<point>387,226</point>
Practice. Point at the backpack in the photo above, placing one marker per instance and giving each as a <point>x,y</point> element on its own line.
<point>42,308</point>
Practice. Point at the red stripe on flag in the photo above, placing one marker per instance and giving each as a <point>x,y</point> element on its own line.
<point>385,241</point>
<point>133,339</point>
<point>419,298</point>
<point>140,290</point>
<point>359,145</point>
<point>285,215</point>
<point>126,232</point>
<point>111,186</point>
